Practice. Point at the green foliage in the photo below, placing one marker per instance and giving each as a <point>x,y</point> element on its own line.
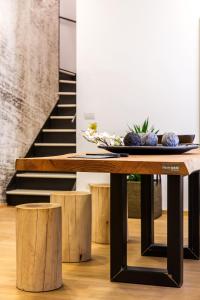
<point>134,177</point>
<point>144,128</point>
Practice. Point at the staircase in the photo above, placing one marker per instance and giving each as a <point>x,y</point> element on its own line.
<point>58,136</point>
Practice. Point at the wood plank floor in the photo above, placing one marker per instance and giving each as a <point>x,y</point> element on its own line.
<point>91,280</point>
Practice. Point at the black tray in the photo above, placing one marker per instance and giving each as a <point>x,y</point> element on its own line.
<point>159,149</point>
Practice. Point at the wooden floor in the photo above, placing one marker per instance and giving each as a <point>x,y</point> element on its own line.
<point>91,280</point>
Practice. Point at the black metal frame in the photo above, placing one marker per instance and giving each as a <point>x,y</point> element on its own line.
<point>148,247</point>
<point>120,271</point>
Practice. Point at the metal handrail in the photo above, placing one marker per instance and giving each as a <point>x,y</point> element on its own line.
<point>67,19</point>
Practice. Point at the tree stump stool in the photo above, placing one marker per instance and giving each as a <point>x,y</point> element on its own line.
<point>76,225</point>
<point>39,244</point>
<point>100,213</point>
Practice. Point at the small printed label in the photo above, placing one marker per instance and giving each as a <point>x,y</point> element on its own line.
<point>171,168</point>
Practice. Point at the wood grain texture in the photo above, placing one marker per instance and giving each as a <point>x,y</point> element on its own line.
<point>90,280</point>
<point>28,76</point>
<point>100,213</point>
<point>76,225</point>
<point>183,164</point>
<point>38,235</point>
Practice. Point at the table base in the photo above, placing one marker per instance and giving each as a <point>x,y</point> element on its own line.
<point>119,270</point>
<point>148,247</point>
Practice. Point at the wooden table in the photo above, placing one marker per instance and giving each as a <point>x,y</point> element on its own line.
<point>175,167</point>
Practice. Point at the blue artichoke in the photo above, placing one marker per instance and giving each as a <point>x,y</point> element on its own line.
<point>170,139</point>
<point>132,139</point>
<point>150,139</point>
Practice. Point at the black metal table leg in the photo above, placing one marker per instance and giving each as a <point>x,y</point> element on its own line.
<point>149,248</point>
<point>120,271</point>
<point>194,217</point>
<point>147,213</point>
<point>118,225</point>
<point>175,228</point>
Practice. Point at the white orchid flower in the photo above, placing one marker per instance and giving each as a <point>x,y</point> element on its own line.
<point>103,139</point>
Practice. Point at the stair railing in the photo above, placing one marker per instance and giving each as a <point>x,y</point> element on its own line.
<point>67,19</point>
<point>73,21</point>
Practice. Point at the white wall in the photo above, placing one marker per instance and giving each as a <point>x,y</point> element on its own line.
<point>68,35</point>
<point>68,9</point>
<point>137,58</point>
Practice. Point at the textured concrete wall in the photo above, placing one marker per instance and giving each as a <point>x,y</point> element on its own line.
<point>28,76</point>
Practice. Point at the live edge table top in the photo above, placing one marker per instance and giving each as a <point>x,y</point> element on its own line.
<point>183,164</point>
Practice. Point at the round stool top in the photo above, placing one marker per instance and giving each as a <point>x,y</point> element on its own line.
<point>38,206</point>
<point>71,193</point>
<point>99,185</point>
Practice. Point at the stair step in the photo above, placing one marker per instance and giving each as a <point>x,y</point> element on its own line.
<point>66,105</point>
<point>59,130</point>
<point>54,144</point>
<point>46,175</point>
<point>67,81</point>
<point>30,192</point>
<point>67,72</point>
<point>61,117</point>
<point>67,93</point>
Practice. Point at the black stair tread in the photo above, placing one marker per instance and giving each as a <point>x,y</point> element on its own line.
<point>46,175</point>
<point>61,124</point>
<point>70,100</point>
<point>31,192</point>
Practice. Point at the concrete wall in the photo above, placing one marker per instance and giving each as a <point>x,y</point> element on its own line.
<point>137,58</point>
<point>28,76</point>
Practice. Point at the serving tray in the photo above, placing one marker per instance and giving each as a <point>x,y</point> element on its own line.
<point>159,149</point>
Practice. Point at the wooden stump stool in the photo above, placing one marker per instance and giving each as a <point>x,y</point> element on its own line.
<point>76,225</point>
<point>100,213</point>
<point>39,260</point>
